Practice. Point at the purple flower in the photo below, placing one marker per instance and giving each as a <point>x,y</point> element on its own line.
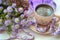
<point>23,22</point>
<point>57,32</point>
<point>13,35</point>
<point>5,3</point>
<point>41,30</point>
<point>7,16</point>
<point>29,22</point>
<point>20,9</point>
<point>7,22</point>
<point>13,5</point>
<point>26,13</point>
<point>32,19</point>
<point>9,9</point>
<point>13,27</point>
<point>22,16</point>
<point>16,26</point>
<point>0,1</point>
<point>3,28</point>
<point>1,8</point>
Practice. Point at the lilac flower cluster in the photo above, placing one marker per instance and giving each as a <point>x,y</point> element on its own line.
<point>13,19</point>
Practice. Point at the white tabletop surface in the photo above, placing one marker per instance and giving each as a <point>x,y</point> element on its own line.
<point>4,36</point>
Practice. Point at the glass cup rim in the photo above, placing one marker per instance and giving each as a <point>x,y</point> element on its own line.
<point>41,5</point>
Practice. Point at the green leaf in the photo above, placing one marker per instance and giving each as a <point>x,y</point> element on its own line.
<point>1,25</point>
<point>9,29</point>
<point>4,6</point>
<point>0,11</point>
<point>15,13</point>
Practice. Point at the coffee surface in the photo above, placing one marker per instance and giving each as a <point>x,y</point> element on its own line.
<point>44,10</point>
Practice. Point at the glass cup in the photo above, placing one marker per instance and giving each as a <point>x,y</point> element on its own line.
<point>43,10</point>
<point>44,14</point>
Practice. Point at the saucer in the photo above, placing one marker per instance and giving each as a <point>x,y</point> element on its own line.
<point>45,33</point>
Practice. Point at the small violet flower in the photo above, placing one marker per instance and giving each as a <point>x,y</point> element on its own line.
<point>7,22</point>
<point>57,32</point>
<point>7,16</point>
<point>26,14</point>
<point>9,9</point>
<point>17,26</point>
<point>5,3</point>
<point>20,9</point>
<point>23,22</point>
<point>1,8</point>
<point>0,1</point>
<point>13,5</point>
<point>22,16</point>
